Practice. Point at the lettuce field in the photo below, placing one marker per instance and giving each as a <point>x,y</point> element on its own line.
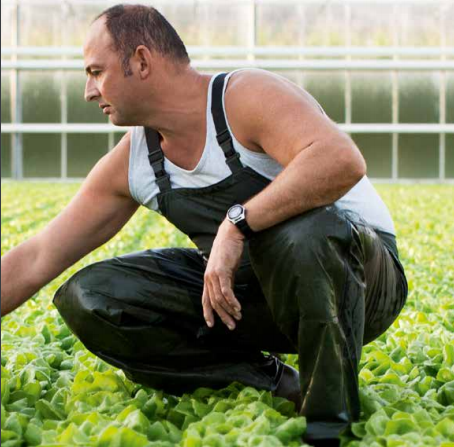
<point>56,393</point>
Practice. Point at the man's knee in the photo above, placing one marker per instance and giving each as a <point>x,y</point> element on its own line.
<point>75,294</point>
<point>116,313</point>
<point>83,306</point>
<point>71,290</point>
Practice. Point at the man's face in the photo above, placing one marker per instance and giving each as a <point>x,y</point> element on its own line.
<point>107,84</point>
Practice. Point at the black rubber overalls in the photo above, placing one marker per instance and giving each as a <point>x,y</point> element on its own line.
<point>321,284</point>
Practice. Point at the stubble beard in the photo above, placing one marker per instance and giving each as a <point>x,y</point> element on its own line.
<point>121,121</point>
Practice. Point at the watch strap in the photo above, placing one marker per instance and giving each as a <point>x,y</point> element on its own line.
<point>244,227</point>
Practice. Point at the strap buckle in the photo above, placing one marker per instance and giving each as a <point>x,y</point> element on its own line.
<point>155,156</point>
<point>158,168</point>
<point>223,137</point>
<point>232,157</point>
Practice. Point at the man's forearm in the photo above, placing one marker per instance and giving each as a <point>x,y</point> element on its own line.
<point>18,280</point>
<point>306,183</point>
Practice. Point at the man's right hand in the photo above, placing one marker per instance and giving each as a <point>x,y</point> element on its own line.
<point>99,210</point>
<point>219,277</point>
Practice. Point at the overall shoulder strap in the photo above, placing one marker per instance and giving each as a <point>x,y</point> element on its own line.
<point>232,157</point>
<point>156,159</point>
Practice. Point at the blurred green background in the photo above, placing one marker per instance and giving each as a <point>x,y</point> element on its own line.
<point>424,24</point>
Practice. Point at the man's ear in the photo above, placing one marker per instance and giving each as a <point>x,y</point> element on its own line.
<point>143,59</point>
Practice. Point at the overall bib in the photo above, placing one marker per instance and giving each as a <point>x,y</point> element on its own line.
<point>321,284</point>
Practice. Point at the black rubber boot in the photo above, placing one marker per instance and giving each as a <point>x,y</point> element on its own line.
<point>289,386</point>
<point>323,442</point>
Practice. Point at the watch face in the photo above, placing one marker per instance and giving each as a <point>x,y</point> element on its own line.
<point>235,211</point>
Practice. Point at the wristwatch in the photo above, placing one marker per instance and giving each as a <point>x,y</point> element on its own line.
<point>237,215</point>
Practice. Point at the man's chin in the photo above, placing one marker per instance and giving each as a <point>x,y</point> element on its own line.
<point>118,121</point>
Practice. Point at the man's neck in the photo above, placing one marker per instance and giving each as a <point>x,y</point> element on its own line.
<point>178,109</point>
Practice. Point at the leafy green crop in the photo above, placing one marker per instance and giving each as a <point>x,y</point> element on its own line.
<point>56,393</point>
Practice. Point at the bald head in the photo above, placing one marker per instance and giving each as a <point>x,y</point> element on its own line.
<point>130,26</point>
<point>99,36</point>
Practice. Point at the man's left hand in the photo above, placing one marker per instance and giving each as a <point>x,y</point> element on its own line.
<point>219,276</point>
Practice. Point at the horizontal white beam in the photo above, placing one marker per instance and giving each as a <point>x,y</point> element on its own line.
<point>42,51</point>
<point>7,180</point>
<point>256,51</point>
<point>158,4</point>
<point>423,181</point>
<point>107,128</point>
<point>414,181</point>
<point>398,128</point>
<point>61,128</point>
<point>309,65</point>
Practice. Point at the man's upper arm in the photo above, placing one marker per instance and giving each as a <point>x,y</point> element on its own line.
<point>97,212</point>
<point>270,114</point>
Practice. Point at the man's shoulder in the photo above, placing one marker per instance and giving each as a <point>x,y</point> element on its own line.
<point>247,83</point>
<point>118,158</point>
<point>111,171</point>
<point>254,97</point>
<point>261,87</point>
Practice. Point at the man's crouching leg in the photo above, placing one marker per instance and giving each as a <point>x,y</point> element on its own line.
<point>131,312</point>
<point>142,313</point>
<point>312,276</point>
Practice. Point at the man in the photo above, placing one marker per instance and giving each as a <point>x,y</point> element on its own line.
<point>305,260</point>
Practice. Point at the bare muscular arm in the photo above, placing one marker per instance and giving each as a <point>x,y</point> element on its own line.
<point>97,212</point>
<point>321,163</point>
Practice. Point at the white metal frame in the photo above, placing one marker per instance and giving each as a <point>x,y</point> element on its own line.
<point>227,50</point>
<point>108,128</point>
<point>279,64</point>
<point>69,58</point>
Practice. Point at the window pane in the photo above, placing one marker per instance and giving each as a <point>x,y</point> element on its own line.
<point>298,25</point>
<point>78,20</point>
<point>450,97</point>
<point>418,156</point>
<point>185,19</point>
<point>6,97</point>
<point>371,25</point>
<point>420,24</point>
<point>215,24</point>
<point>84,150</point>
<point>8,15</point>
<point>40,97</point>
<point>323,25</point>
<point>40,25</point>
<point>79,110</point>
<point>371,98</point>
<point>6,155</point>
<point>449,156</point>
<point>42,156</point>
<point>448,14</point>
<point>419,97</point>
<point>329,90</point>
<point>377,150</point>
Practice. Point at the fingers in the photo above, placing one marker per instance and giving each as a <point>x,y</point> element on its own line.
<point>207,309</point>
<point>219,304</point>
<point>222,300</point>
<point>234,306</point>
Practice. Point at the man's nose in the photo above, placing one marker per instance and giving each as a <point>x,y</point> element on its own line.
<point>91,92</point>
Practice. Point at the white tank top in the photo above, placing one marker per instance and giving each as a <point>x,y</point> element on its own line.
<point>362,199</point>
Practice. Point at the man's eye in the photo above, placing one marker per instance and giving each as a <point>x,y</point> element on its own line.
<point>96,73</point>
